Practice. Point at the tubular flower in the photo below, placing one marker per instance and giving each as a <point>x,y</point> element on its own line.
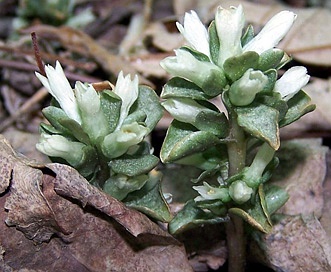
<point>58,86</point>
<point>229,25</point>
<point>272,33</point>
<point>195,33</point>
<point>293,80</point>
<point>59,146</point>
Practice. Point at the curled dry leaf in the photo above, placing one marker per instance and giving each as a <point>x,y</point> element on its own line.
<point>57,221</point>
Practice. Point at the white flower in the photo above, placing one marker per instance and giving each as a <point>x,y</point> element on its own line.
<point>240,192</point>
<point>58,86</point>
<point>243,91</point>
<point>183,109</point>
<point>208,192</point>
<point>127,90</point>
<point>272,33</point>
<point>229,26</point>
<point>59,146</point>
<point>195,33</point>
<point>118,142</point>
<point>185,65</point>
<point>291,82</point>
<point>94,121</point>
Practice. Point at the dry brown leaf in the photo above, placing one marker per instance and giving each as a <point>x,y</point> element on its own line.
<point>59,222</point>
<point>295,244</point>
<point>301,172</point>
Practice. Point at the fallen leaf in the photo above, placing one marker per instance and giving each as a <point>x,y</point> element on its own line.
<point>296,243</point>
<point>56,220</point>
<point>301,173</point>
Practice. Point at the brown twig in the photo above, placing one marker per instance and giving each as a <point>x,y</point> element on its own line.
<point>37,54</point>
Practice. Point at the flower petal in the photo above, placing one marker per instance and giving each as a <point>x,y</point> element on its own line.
<point>195,33</point>
<point>59,146</point>
<point>229,26</point>
<point>58,86</point>
<point>293,80</point>
<point>272,33</point>
<point>127,90</point>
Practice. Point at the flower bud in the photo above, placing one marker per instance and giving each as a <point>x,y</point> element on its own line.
<point>243,91</point>
<point>240,192</point>
<point>209,77</point>
<point>94,121</point>
<point>208,192</point>
<point>118,142</point>
<point>183,109</point>
<point>59,146</point>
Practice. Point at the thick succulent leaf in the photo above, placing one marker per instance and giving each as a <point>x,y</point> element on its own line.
<point>111,107</point>
<point>183,139</point>
<point>275,197</point>
<point>272,78</point>
<point>270,59</point>
<point>48,129</point>
<point>236,66</point>
<point>133,165</point>
<point>248,35</point>
<point>298,106</point>
<point>263,204</point>
<point>148,102</point>
<point>138,116</point>
<point>192,216</point>
<point>180,87</point>
<point>150,201</point>
<point>76,130</point>
<point>261,121</point>
<point>61,122</point>
<point>198,55</point>
<point>275,102</point>
<point>87,166</point>
<point>214,122</point>
<point>214,42</point>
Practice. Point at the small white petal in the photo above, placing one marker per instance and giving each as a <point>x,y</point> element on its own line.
<point>183,109</point>
<point>272,33</point>
<point>127,90</point>
<point>58,86</point>
<point>195,33</point>
<point>229,26</point>
<point>293,80</point>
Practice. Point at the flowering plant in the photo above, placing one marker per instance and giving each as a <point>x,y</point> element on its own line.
<point>229,64</point>
<point>102,134</point>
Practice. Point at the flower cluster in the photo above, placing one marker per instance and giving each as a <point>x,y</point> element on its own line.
<point>241,69</point>
<point>98,132</point>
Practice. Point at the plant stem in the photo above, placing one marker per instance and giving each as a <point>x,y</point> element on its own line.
<point>236,241</point>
